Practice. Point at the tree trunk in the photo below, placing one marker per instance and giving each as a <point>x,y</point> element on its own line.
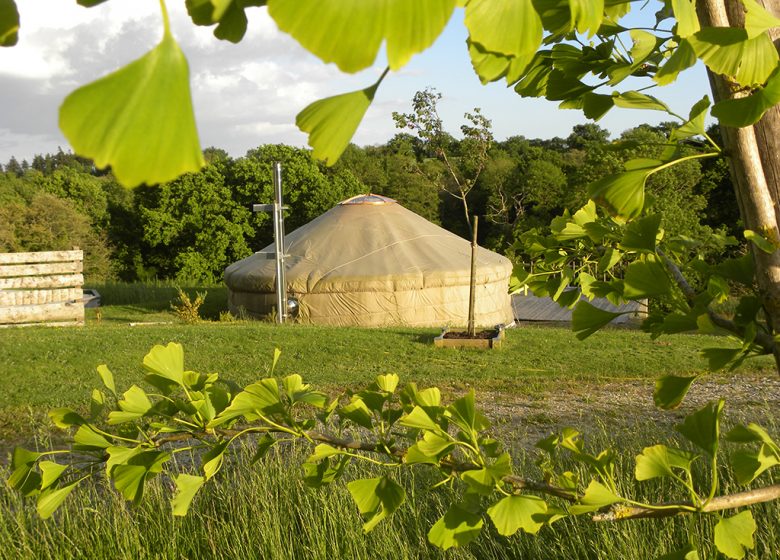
<point>754,164</point>
<point>768,128</point>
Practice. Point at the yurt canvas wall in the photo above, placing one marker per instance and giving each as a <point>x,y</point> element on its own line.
<point>371,262</point>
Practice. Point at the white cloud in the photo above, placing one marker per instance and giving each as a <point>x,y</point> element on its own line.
<point>245,94</point>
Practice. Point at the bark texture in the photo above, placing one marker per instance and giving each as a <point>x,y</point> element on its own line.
<point>754,164</point>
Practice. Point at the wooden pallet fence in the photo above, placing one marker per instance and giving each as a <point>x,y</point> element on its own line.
<point>41,288</point>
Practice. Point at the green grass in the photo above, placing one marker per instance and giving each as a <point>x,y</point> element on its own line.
<point>44,368</point>
<point>264,511</point>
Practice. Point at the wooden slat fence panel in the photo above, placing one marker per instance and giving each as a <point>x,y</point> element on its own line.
<point>41,288</point>
<point>38,297</point>
<point>40,269</point>
<point>37,282</point>
<point>67,311</point>
<point>43,257</point>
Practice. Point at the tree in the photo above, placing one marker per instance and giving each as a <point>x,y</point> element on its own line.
<point>308,187</point>
<point>193,227</point>
<point>582,135</point>
<point>526,189</point>
<point>14,167</point>
<point>48,223</point>
<point>462,168</point>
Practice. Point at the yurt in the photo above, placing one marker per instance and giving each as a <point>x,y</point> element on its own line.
<point>371,262</point>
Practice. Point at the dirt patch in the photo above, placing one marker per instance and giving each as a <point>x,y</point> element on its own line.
<point>479,335</point>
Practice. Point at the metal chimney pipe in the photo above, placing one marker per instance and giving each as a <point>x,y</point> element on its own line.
<point>281,284</point>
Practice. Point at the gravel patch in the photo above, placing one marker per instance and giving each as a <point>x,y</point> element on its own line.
<point>623,406</point>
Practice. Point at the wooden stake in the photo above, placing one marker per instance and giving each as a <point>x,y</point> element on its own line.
<point>473,282</point>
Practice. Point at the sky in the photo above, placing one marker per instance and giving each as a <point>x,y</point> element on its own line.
<point>248,94</point>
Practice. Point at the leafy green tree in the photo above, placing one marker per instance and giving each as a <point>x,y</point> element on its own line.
<point>525,186</point>
<point>367,165</point>
<point>461,169</point>
<point>394,170</point>
<point>48,223</point>
<point>584,135</point>
<point>84,190</point>
<point>193,227</point>
<point>14,167</point>
<point>308,187</point>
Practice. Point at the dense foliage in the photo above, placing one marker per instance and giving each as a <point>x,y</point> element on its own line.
<point>192,227</point>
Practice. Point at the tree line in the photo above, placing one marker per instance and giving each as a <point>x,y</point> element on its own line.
<point>191,228</point>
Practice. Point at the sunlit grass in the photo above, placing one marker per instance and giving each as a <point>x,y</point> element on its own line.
<point>265,511</point>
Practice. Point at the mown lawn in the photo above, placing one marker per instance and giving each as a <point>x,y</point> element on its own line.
<point>43,368</point>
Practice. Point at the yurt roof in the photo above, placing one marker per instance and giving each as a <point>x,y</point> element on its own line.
<point>368,243</point>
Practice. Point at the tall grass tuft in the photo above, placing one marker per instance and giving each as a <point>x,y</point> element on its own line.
<point>187,309</point>
<point>265,511</point>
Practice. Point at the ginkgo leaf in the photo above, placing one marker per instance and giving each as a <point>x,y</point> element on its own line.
<point>695,126</point>
<point>332,122</point>
<point>166,361</point>
<point>488,66</point>
<point>749,110</point>
<point>107,378</point>
<point>596,497</point>
<point>642,235</point>
<point>637,100</point>
<point>376,498</point>
<point>596,105</point>
<point>50,500</point>
<point>9,23</point>
<point>187,486</point>
<point>760,59</point>
<point>206,12</point>
<point>646,277</point>
<point>660,460</point>
<point>229,16</point>
<point>350,32</point>
<point>670,390</point>
<point>457,527</point>
<point>644,45</point>
<point>412,26</point>
<point>749,465</point>
<point>685,14</point>
<point>586,15</point>
<point>139,119</point>
<point>513,513</point>
<point>508,27</point>
<point>622,194</point>
<point>702,428</point>
<point>533,82</point>
<point>757,19</point>
<point>733,535</point>
<point>586,319</point>
<point>134,405</point>
<point>682,58</point>
<point>729,51</point>
<point>50,472</point>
